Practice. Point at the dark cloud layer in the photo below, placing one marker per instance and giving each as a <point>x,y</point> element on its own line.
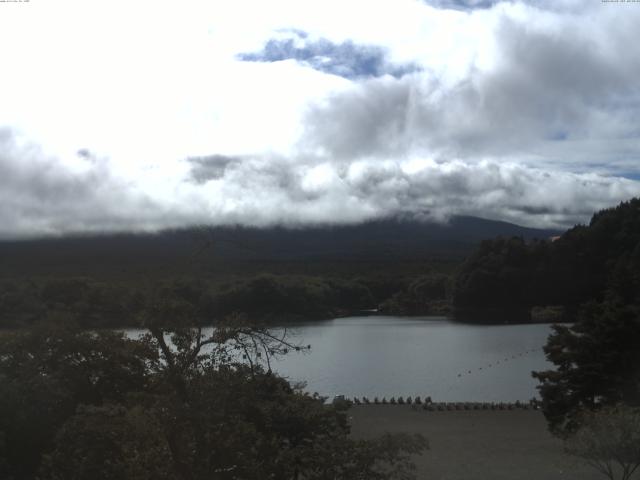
<point>464,4</point>
<point>345,59</point>
<point>210,167</point>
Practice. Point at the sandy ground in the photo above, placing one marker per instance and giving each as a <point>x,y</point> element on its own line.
<point>470,445</point>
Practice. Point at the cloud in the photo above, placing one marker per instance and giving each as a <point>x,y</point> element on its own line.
<point>464,4</point>
<point>345,59</point>
<point>336,112</point>
<point>40,196</point>
<point>555,96</point>
<point>547,5</point>
<point>210,167</point>
<point>374,118</point>
<point>267,191</point>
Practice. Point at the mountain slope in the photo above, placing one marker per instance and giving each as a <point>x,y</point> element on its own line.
<point>378,241</point>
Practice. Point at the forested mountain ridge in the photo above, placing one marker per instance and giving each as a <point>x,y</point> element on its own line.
<point>587,263</point>
<point>273,274</point>
<point>375,241</point>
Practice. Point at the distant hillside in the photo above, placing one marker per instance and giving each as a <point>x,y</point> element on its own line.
<point>377,241</point>
<point>593,262</point>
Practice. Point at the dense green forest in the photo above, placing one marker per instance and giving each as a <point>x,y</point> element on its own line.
<point>587,263</point>
<point>271,298</point>
<point>105,304</point>
<point>272,274</point>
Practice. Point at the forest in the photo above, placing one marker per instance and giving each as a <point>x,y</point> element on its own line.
<point>591,262</point>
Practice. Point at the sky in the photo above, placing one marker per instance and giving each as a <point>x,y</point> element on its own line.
<point>138,116</point>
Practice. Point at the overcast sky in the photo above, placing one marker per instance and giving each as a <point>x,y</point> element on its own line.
<point>142,115</point>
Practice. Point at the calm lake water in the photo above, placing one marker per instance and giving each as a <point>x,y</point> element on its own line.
<point>392,356</point>
<point>409,356</point>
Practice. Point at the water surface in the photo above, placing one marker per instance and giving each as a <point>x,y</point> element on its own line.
<point>387,356</point>
<point>409,356</point>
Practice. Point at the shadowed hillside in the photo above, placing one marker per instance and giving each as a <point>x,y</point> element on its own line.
<point>174,251</point>
<point>587,263</point>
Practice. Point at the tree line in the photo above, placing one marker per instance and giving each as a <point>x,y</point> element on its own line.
<point>111,304</point>
<point>587,263</point>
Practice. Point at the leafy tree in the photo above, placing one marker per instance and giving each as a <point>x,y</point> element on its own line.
<point>31,411</point>
<point>19,304</point>
<point>179,403</point>
<point>109,442</point>
<point>609,441</point>
<point>496,275</point>
<point>47,372</point>
<point>587,263</point>
<point>426,294</point>
<point>275,296</point>
<point>218,405</point>
<point>597,363</point>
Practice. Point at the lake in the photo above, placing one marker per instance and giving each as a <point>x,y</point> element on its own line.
<point>387,356</point>
<point>409,356</point>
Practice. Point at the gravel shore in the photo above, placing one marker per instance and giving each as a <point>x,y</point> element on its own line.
<point>476,444</point>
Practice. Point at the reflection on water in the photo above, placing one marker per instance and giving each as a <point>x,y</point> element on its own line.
<point>410,356</point>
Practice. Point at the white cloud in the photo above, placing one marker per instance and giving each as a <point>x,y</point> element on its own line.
<point>524,111</point>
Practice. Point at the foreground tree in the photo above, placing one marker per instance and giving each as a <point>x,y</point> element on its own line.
<point>222,397</point>
<point>46,373</point>
<point>609,441</point>
<point>597,363</point>
<point>179,403</point>
<point>110,442</point>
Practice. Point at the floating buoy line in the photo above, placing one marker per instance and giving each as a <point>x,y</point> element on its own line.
<point>429,405</point>
<point>506,359</point>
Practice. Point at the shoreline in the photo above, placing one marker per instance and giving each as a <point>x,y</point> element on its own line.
<point>428,405</point>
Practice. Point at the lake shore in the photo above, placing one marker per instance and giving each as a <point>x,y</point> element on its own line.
<point>475,444</point>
